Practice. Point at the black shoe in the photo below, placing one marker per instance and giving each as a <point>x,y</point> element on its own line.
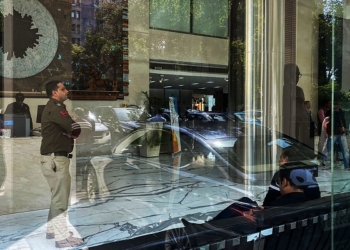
<point>69,242</point>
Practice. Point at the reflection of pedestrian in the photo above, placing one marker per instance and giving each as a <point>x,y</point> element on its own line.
<point>339,133</point>
<point>19,107</point>
<point>158,117</point>
<point>293,100</point>
<point>321,115</point>
<point>307,126</point>
<point>86,137</point>
<point>58,134</point>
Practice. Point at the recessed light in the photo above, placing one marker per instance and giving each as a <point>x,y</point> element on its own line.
<point>210,82</point>
<point>217,87</point>
<point>167,87</point>
<point>226,79</point>
<point>152,81</point>
<point>166,80</point>
<point>195,83</point>
<point>181,85</point>
<point>202,88</point>
<point>181,77</point>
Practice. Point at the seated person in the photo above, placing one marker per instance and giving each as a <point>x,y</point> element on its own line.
<point>289,155</point>
<point>293,179</point>
<point>19,107</point>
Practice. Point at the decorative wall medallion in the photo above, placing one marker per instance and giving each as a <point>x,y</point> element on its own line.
<point>40,48</point>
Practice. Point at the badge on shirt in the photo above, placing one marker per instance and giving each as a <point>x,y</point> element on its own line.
<point>64,113</point>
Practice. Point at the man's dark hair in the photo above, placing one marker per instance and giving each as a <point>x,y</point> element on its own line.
<point>51,86</point>
<point>306,102</point>
<point>292,154</point>
<point>19,97</point>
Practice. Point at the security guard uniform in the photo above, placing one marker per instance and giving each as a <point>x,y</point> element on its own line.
<point>55,149</point>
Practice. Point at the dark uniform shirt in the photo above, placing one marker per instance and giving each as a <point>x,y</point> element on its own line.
<point>55,122</point>
<point>18,108</point>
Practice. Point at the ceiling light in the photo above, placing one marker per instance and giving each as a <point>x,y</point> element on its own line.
<point>226,79</point>
<point>210,82</point>
<point>217,87</point>
<point>181,85</point>
<point>195,83</point>
<point>166,80</point>
<point>202,88</point>
<point>152,81</point>
<point>167,87</point>
<point>181,77</point>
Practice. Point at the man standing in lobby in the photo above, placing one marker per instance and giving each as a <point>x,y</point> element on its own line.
<point>58,134</point>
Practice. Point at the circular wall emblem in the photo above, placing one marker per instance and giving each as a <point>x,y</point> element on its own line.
<point>37,57</point>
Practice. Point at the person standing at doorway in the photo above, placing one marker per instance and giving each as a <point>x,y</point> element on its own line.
<point>58,134</point>
<point>19,107</point>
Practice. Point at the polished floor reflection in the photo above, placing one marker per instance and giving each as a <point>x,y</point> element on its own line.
<point>127,196</point>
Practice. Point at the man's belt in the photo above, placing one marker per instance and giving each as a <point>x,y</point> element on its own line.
<point>59,153</point>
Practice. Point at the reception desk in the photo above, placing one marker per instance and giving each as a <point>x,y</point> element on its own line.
<point>22,185</point>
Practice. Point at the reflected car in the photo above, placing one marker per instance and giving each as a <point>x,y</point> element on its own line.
<point>121,121</point>
<point>102,137</point>
<point>249,116</point>
<point>229,146</point>
<point>197,116</point>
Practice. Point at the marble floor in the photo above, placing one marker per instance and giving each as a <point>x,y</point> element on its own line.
<point>126,196</point>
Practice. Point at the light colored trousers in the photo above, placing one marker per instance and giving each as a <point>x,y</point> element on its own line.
<point>59,182</point>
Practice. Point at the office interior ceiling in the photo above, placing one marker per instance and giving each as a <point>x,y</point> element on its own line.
<point>160,79</point>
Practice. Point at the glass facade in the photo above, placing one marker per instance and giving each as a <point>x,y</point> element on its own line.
<point>200,122</point>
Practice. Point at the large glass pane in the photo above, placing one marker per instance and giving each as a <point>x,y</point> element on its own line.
<point>210,17</point>
<point>165,129</point>
<point>170,15</point>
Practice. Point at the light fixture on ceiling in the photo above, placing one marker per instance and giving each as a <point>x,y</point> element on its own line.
<point>210,82</point>
<point>167,87</point>
<point>165,80</point>
<point>217,87</point>
<point>195,83</point>
<point>202,88</point>
<point>152,81</point>
<point>181,77</point>
<point>181,85</point>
